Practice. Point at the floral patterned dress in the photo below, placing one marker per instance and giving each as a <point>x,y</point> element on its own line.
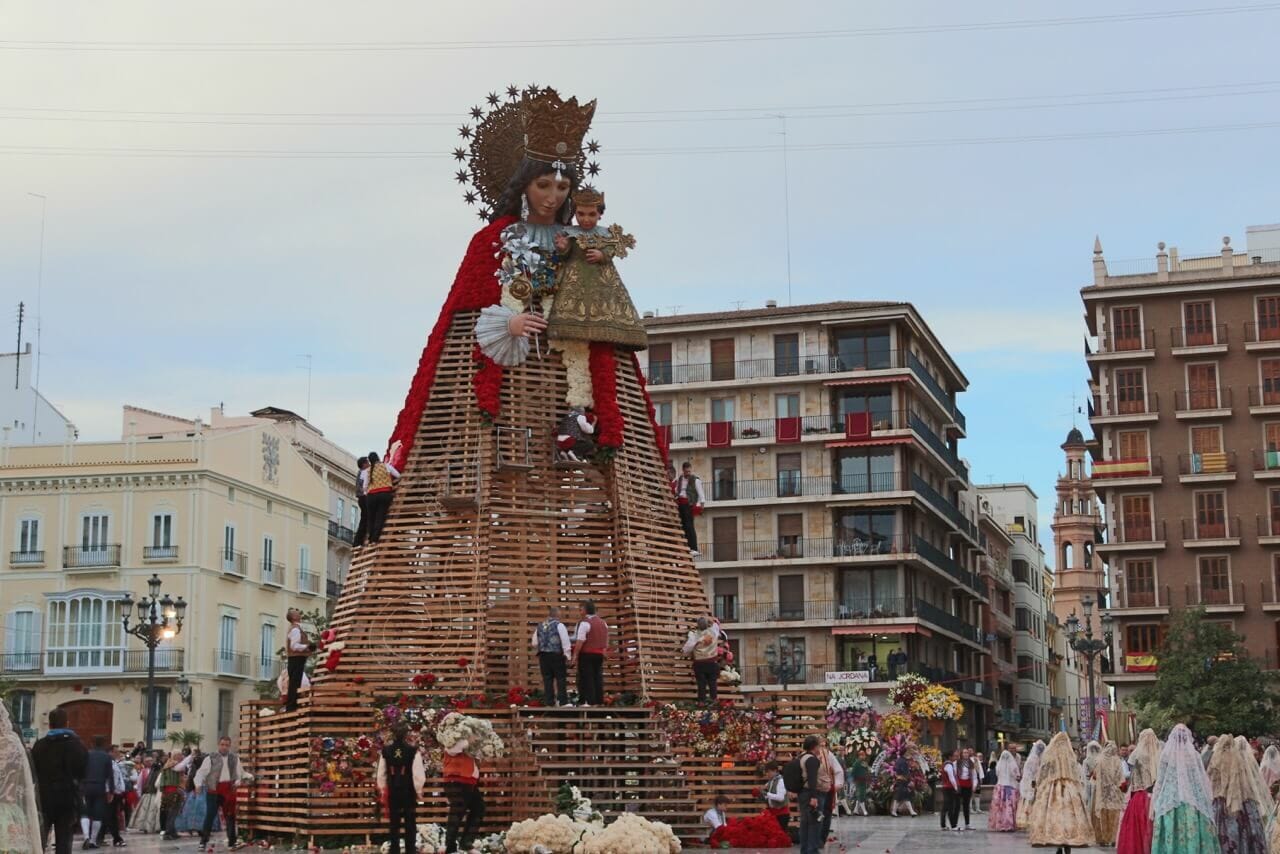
<point>1184,830</point>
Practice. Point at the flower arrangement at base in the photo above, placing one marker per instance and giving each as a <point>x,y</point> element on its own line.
<point>849,709</point>
<point>494,843</point>
<point>430,838</point>
<point>482,741</point>
<point>722,731</point>
<point>884,772</point>
<point>938,703</point>
<point>895,724</point>
<point>862,739</point>
<point>558,834</point>
<point>904,691</point>
<point>570,801</point>
<point>631,834</point>
<point>756,832</point>
<point>730,676</point>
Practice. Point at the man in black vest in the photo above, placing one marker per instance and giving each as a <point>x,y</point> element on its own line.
<point>401,776</point>
<point>297,648</point>
<point>689,501</point>
<point>59,759</point>
<point>97,783</point>
<point>551,640</point>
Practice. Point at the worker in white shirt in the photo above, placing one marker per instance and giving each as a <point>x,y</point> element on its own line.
<point>378,482</point>
<point>298,647</point>
<point>551,640</point>
<point>401,778</point>
<point>716,817</point>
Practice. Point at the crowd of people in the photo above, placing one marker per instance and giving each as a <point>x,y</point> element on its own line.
<point>107,794</point>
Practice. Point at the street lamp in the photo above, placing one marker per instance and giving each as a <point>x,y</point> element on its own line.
<point>158,619</point>
<point>1084,643</point>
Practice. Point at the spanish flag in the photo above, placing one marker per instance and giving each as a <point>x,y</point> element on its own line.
<point>1136,467</point>
<point>1143,662</point>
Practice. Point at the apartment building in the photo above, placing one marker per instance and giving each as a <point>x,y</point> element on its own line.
<point>1185,374</point>
<point>26,416</point>
<point>834,535</point>
<point>998,628</point>
<point>235,521</point>
<point>1014,506</point>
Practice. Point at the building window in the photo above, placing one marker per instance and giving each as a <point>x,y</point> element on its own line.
<point>789,484</point>
<point>786,405</point>
<point>1135,518</point>
<point>722,356</point>
<point>159,710</point>
<point>227,644</point>
<point>724,593</point>
<point>863,349</point>
<point>660,364</point>
<point>1211,515</point>
<point>1126,327</point>
<point>791,535</point>
<point>1268,309</point>
<point>662,413</point>
<point>1275,577</point>
<point>29,536</point>
<point>231,494</point>
<point>94,528</point>
<point>22,641</point>
<point>1215,580</point>
<point>869,592</point>
<point>865,532</point>
<point>791,659</point>
<point>786,355</point>
<point>1143,638</point>
<point>1197,323</point>
<point>225,709</point>
<point>790,597</point>
<point>22,710</point>
<point>1140,583</point>
<point>84,635</point>
<point>304,559</point>
<point>342,510</point>
<point>1022,571</point>
<point>865,471</point>
<point>724,478</point>
<point>1132,444</point>
<point>1273,503</point>
<point>269,573</point>
<point>1269,376</point>
<point>355,516</point>
<point>722,409</point>
<point>267,652</point>
<point>878,403</point>
<point>1022,619</point>
<point>1130,391</point>
<point>162,530</point>
<point>1202,386</point>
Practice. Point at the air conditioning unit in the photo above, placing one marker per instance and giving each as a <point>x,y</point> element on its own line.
<point>812,366</point>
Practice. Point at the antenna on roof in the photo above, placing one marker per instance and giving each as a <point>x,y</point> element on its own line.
<point>786,204</point>
<point>35,403</point>
<point>17,362</point>
<point>738,304</point>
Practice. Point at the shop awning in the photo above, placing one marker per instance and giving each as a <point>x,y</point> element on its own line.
<point>863,443</point>
<point>901,378</point>
<point>883,629</point>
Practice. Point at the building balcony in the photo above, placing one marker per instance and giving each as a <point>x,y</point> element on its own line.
<point>1266,464</point>
<point>341,533</point>
<point>332,589</point>
<point>1009,717</point>
<point>1217,598</point>
<point>1268,528</point>
<point>1198,342</point>
<point>267,669</point>
<point>721,434</point>
<point>28,559</point>
<point>160,554</point>
<point>308,582</point>
<point>800,548</point>
<point>1123,409</point>
<point>227,662</point>
<point>1056,702</point>
<point>233,562</point>
<point>92,557</point>
<point>887,611</point>
<point>668,373</point>
<point>950,512</point>
<point>1210,403</point>
<point>1143,601</point>
<point>959,471</point>
<point>1145,536</point>
<point>1264,400</point>
<point>272,572</point>
<point>90,662</point>
<point>1135,471</point>
<point>1217,533</point>
<point>1207,467</point>
<point>1137,344</point>
<point>787,674</point>
<point>936,557</point>
<point>1261,337</point>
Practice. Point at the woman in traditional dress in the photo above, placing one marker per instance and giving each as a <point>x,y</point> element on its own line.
<point>146,815</point>
<point>1270,768</point>
<point>1058,815</point>
<point>191,819</point>
<point>1135,826</point>
<point>1004,798</point>
<point>1182,801</point>
<point>1092,753</point>
<point>1108,795</point>
<point>1237,814</point>
<point>1261,792</point>
<point>19,820</point>
<point>1027,788</point>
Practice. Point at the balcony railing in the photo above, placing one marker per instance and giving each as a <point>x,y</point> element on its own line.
<point>1214,593</point>
<point>308,582</point>
<point>790,548</point>
<point>1268,526</point>
<point>1264,395</point>
<point>1134,340</point>
<point>1109,406</point>
<point>80,557</point>
<point>230,663</point>
<point>233,562</point>
<point>788,674</point>
<point>1266,460</point>
<point>1223,528</point>
<point>1153,596</point>
<point>756,428</point>
<point>21,662</point>
<point>1208,336</point>
<point>667,373</point>
<point>1124,468</point>
<point>272,571</point>
<point>788,485</point>
<point>935,388</point>
<point>62,662</point>
<point>937,501</point>
<point>946,563</point>
<point>1255,333</point>
<point>339,532</point>
<point>942,619</point>
<point>332,588</point>
<point>1137,533</point>
<point>26,558</point>
<point>1202,400</point>
<point>159,553</point>
<point>268,669</point>
<point>939,447</point>
<point>168,660</point>
<point>1221,462</point>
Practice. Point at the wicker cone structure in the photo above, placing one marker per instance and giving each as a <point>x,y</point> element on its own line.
<point>486,530</point>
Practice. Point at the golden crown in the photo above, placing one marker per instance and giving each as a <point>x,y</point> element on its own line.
<point>588,196</point>
<point>534,122</point>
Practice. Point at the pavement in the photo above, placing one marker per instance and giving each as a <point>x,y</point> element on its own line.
<point>871,834</point>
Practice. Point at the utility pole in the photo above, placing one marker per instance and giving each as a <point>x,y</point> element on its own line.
<point>35,404</point>
<point>786,203</point>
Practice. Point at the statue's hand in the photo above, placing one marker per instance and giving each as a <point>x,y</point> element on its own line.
<point>526,325</point>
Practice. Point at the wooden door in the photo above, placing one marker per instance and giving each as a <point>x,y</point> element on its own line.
<point>1268,318</point>
<point>1211,515</point>
<point>1130,392</point>
<point>659,364</point>
<point>1269,370</point>
<point>1126,328</point>
<point>1135,515</point>
<point>791,535</point>
<point>722,359</point>
<point>724,538</point>
<point>1132,444</point>
<point>89,718</point>
<point>1197,324</point>
<point>1202,386</point>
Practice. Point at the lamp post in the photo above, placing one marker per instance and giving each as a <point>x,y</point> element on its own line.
<point>159,618</point>
<point>1087,645</point>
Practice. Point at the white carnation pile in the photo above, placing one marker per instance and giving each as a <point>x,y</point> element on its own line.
<point>482,741</point>
<point>560,834</point>
<point>430,838</point>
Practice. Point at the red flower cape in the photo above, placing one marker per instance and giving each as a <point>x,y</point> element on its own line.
<point>758,831</point>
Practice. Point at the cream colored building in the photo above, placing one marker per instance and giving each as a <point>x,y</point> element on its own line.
<point>234,520</point>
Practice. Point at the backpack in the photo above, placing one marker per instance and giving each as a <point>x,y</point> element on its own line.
<point>793,774</point>
<point>549,636</point>
<point>826,774</point>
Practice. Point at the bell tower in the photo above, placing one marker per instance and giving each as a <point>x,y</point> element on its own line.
<point>1075,526</point>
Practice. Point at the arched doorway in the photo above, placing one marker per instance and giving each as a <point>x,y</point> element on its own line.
<point>89,718</point>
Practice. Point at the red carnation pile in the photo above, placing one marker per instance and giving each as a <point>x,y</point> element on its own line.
<point>759,831</point>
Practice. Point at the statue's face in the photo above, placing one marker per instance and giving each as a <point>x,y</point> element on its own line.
<point>546,194</point>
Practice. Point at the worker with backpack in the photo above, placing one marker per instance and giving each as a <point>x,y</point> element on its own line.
<point>551,640</point>
<point>801,775</point>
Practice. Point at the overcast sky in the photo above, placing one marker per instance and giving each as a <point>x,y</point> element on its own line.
<point>178,282</point>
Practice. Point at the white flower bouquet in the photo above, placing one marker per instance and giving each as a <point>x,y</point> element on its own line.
<point>631,834</point>
<point>430,838</point>
<point>482,741</point>
<point>557,834</point>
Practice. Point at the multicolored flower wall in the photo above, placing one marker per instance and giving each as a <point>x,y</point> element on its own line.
<point>724,730</point>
